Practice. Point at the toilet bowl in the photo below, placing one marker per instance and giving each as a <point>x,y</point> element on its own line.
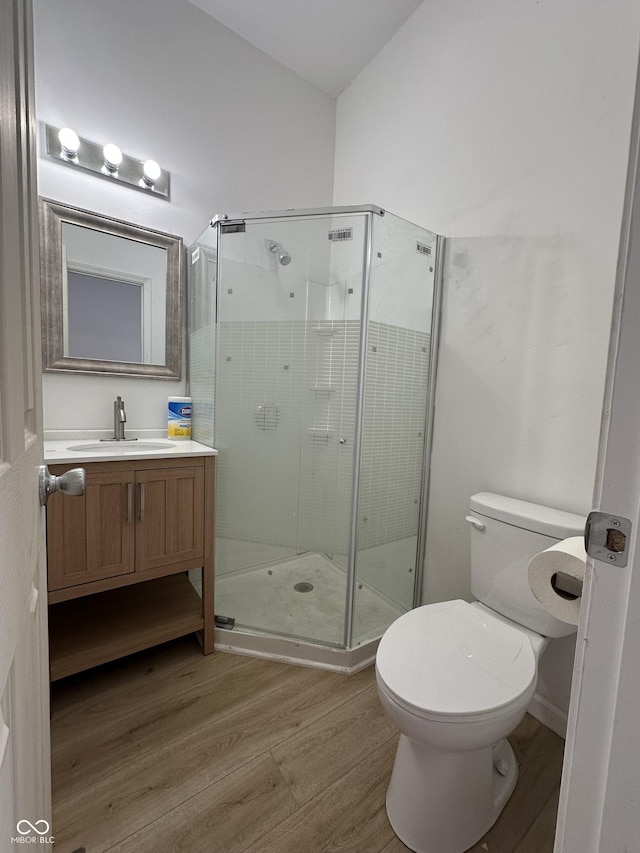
<point>456,680</point>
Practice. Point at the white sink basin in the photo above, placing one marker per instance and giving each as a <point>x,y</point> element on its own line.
<point>122,446</point>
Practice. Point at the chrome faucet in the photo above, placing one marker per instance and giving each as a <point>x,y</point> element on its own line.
<point>119,419</point>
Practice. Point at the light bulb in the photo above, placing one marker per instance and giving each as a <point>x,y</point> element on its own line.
<point>69,143</point>
<point>112,157</point>
<point>150,172</point>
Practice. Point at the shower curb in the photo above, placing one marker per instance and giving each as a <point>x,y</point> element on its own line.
<point>295,652</point>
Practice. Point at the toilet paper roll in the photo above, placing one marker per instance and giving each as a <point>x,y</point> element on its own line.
<point>569,557</point>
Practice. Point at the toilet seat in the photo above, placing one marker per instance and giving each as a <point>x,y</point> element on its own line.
<point>452,661</point>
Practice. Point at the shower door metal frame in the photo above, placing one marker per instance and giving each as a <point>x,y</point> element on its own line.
<point>350,602</point>
<point>299,213</point>
<point>434,349</point>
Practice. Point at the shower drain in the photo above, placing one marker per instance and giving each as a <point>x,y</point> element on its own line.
<point>303,587</point>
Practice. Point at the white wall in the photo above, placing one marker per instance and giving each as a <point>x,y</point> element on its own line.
<point>161,79</point>
<point>505,127</point>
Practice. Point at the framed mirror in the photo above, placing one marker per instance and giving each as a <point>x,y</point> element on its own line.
<point>111,295</point>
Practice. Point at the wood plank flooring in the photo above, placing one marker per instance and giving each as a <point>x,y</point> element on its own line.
<point>169,751</point>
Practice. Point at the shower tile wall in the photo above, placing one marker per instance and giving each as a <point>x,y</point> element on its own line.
<point>326,476</point>
<point>202,383</point>
<point>260,396</point>
<point>290,484</point>
<point>393,435</point>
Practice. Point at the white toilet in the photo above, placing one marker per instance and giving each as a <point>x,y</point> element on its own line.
<point>456,678</point>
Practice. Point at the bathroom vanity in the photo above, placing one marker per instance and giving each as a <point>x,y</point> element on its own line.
<point>120,555</point>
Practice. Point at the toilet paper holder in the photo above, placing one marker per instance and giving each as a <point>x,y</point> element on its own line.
<point>607,537</point>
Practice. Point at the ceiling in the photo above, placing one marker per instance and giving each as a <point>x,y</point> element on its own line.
<point>327,42</point>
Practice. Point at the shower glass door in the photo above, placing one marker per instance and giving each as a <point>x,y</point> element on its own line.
<point>392,480</point>
<point>289,294</point>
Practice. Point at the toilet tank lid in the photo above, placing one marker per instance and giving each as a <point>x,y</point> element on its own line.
<point>529,516</point>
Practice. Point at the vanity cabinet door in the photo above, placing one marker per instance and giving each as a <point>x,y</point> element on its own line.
<point>91,537</point>
<point>170,516</point>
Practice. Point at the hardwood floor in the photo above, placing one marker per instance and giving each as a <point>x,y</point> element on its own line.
<point>171,751</point>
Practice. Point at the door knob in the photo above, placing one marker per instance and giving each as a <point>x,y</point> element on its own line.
<point>72,482</point>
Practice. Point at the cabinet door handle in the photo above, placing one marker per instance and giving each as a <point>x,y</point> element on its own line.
<point>142,497</point>
<point>129,502</point>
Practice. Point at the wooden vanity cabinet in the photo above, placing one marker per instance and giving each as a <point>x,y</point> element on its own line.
<point>91,537</point>
<point>117,560</point>
<point>170,517</point>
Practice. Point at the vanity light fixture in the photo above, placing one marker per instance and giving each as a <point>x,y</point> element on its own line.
<point>107,161</point>
<point>69,144</point>
<point>150,172</point>
<point>112,159</point>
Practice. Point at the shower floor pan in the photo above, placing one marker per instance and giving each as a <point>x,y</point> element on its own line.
<point>278,616</point>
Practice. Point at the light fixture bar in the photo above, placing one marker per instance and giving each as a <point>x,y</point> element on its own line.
<point>99,159</point>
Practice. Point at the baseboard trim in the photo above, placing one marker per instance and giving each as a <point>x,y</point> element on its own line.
<point>548,714</point>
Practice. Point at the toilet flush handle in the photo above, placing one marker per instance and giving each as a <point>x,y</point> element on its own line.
<point>479,525</point>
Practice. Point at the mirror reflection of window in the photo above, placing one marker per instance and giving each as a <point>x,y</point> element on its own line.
<point>104,318</point>
<point>121,285</point>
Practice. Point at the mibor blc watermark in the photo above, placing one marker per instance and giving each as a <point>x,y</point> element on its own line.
<point>32,833</point>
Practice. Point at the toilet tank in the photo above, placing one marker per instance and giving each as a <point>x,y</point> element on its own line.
<point>505,535</point>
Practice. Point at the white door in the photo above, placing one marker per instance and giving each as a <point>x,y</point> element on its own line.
<point>600,795</point>
<point>25,797</point>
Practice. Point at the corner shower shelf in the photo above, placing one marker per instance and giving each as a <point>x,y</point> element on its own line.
<point>323,390</point>
<point>328,330</point>
<point>320,435</point>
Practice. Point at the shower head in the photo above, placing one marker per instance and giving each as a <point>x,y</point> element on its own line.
<point>283,256</point>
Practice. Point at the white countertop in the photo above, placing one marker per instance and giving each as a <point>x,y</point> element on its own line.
<point>57,451</point>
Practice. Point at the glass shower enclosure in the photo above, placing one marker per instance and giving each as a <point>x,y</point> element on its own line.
<point>312,366</point>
